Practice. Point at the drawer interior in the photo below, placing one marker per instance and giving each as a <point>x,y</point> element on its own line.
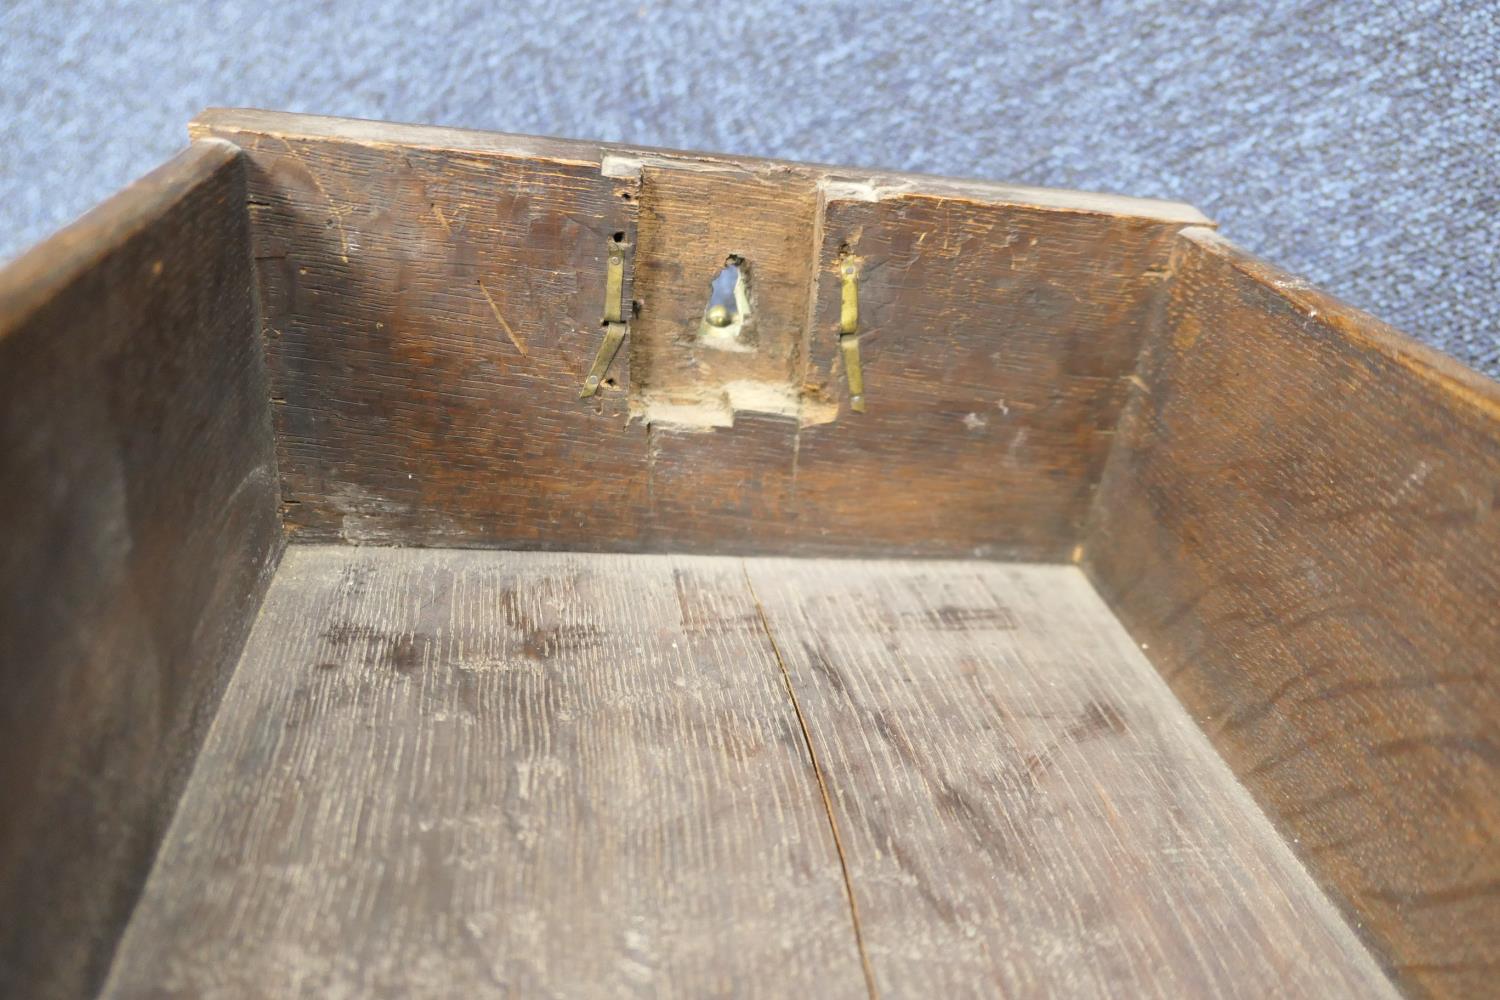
<point>463,773</point>
<point>446,563</point>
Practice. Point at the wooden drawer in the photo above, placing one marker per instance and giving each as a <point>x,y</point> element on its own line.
<point>939,588</point>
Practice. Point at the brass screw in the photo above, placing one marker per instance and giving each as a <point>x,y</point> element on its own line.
<point>718,316</point>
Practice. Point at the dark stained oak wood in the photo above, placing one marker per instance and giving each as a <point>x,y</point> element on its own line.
<point>138,495</point>
<point>430,316</point>
<point>1024,808</point>
<point>1301,518</point>
<point>403,268</point>
<point>472,774</point>
<point>448,772</point>
<point>996,340</point>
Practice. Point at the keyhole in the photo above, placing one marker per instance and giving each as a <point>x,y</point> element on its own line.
<point>728,302</point>
<point>722,309</point>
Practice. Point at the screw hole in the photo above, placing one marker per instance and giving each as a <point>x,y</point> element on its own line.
<point>619,237</point>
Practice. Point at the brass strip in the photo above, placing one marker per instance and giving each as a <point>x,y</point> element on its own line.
<point>849,344</point>
<point>614,320</point>
<point>849,314</point>
<point>614,336</point>
<point>849,334</point>
<point>614,285</point>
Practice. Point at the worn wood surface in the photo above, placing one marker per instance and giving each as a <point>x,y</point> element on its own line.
<point>694,216</point>
<point>138,494</point>
<point>404,268</point>
<point>996,341</point>
<point>470,774</point>
<point>430,316</point>
<point>460,773</point>
<point>1302,520</point>
<point>1024,808</point>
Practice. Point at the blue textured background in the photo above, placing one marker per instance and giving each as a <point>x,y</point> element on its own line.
<point>1354,144</point>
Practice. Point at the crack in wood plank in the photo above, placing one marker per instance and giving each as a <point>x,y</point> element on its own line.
<point>812,756</point>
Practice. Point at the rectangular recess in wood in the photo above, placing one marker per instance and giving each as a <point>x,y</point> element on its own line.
<point>1301,520</point>
<point>431,303</point>
<point>695,216</point>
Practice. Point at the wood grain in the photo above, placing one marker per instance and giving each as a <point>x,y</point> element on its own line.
<point>1302,520</point>
<point>484,773</point>
<point>1024,808</point>
<point>430,317</point>
<point>402,267</point>
<point>996,342</point>
<point>695,215</point>
<point>471,774</point>
<point>138,494</point>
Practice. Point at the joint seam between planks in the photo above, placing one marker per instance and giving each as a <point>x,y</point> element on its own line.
<point>817,768</point>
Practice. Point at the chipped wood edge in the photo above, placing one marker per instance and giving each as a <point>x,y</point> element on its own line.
<point>617,159</point>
